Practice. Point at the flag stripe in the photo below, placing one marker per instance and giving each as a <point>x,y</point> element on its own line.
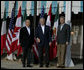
<point>8,43</point>
<point>36,50</point>
<point>8,39</point>
<point>10,33</point>
<point>7,46</point>
<point>10,36</point>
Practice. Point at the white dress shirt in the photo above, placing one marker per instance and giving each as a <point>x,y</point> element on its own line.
<point>43,28</point>
<point>28,29</point>
<point>61,26</point>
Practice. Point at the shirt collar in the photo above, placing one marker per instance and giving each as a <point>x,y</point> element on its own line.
<point>62,24</point>
<point>27,27</point>
<point>42,25</point>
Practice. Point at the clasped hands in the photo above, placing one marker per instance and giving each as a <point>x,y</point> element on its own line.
<point>38,40</point>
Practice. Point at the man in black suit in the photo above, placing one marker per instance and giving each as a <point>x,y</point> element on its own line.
<point>63,39</point>
<point>26,41</point>
<point>44,40</point>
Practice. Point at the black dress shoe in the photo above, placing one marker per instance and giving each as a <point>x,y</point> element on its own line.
<point>58,66</point>
<point>29,66</point>
<point>23,65</point>
<point>62,66</point>
<point>41,66</point>
<point>47,65</point>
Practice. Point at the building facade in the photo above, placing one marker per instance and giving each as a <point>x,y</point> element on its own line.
<point>77,6</point>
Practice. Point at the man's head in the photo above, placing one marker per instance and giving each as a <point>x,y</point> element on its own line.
<point>62,19</point>
<point>42,21</point>
<point>27,22</point>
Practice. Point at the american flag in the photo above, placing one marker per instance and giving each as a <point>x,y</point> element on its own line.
<point>10,32</point>
<point>42,13</point>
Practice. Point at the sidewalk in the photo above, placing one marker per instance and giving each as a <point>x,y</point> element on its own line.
<point>6,64</point>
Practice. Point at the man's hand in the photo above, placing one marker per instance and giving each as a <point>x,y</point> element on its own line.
<point>49,43</point>
<point>67,43</point>
<point>56,43</point>
<point>38,40</point>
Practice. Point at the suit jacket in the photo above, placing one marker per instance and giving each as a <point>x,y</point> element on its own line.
<point>25,39</point>
<point>44,38</point>
<point>63,35</point>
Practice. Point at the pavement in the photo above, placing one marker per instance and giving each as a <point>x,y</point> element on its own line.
<point>7,64</point>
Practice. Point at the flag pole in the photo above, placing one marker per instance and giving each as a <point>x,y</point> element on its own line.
<point>35,12</point>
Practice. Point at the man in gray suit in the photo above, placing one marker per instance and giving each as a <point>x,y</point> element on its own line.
<point>63,39</point>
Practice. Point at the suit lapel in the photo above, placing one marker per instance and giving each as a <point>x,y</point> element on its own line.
<point>59,28</point>
<point>27,31</point>
<point>45,30</point>
<point>41,29</point>
<point>62,27</point>
<point>30,32</point>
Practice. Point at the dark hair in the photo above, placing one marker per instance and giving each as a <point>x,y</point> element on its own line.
<point>42,18</point>
<point>62,17</point>
<point>27,19</point>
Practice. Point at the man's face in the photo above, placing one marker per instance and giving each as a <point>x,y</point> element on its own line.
<point>62,20</point>
<point>42,21</point>
<point>27,23</point>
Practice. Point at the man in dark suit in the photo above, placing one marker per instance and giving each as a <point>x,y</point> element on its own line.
<point>63,39</point>
<point>44,40</point>
<point>26,41</point>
